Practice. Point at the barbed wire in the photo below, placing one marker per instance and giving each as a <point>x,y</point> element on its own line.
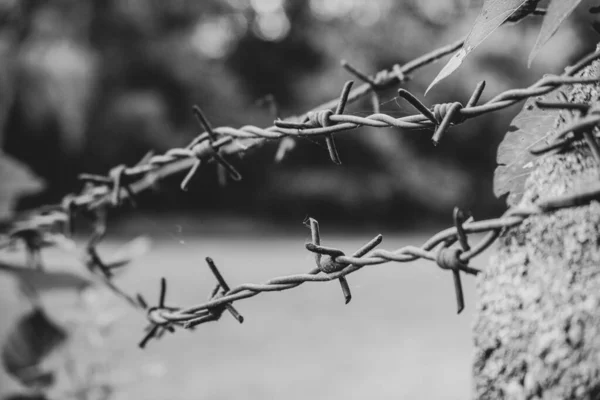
<point>112,189</point>
<point>50,225</point>
<point>334,264</point>
<point>124,182</point>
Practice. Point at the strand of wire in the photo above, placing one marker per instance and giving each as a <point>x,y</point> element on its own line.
<point>337,265</point>
<point>121,181</point>
<point>111,190</point>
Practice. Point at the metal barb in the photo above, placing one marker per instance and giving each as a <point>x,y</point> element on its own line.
<point>420,107</point>
<point>217,274</point>
<point>449,259</point>
<point>476,94</point>
<point>212,138</point>
<point>203,121</point>
<point>372,82</point>
<point>222,284</point>
<point>448,119</point>
<point>331,264</point>
<point>163,292</point>
<point>141,301</point>
<point>333,153</point>
<point>188,177</point>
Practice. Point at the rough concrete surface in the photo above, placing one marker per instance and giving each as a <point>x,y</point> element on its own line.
<point>537,325</point>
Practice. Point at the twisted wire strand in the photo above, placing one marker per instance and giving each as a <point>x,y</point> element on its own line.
<point>172,162</point>
<point>202,149</point>
<point>430,250</point>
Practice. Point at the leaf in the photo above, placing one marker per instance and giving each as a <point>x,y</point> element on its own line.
<point>47,280</point>
<point>530,128</point>
<point>558,11</point>
<point>56,278</point>
<point>492,15</point>
<point>16,180</point>
<point>29,342</point>
<point>25,396</point>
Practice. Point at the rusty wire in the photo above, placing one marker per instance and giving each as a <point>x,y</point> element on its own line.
<point>333,264</point>
<point>125,182</point>
<point>39,227</point>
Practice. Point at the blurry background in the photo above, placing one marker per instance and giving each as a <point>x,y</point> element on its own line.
<point>89,84</point>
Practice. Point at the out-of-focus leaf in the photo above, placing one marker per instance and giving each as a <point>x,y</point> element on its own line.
<point>492,15</point>
<point>32,338</point>
<point>54,279</point>
<point>47,280</point>
<point>557,12</point>
<point>16,180</point>
<point>37,378</point>
<point>531,127</point>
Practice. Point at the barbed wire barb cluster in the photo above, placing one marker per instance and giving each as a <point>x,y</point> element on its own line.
<point>449,249</point>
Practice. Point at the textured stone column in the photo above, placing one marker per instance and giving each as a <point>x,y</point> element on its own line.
<point>537,327</point>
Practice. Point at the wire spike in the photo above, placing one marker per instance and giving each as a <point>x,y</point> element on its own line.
<point>369,246</point>
<point>416,103</point>
<point>341,106</point>
<point>204,122</point>
<point>190,175</point>
<point>163,292</point>
<point>460,298</point>
<point>331,147</point>
<point>148,336</point>
<point>476,94</point>
<point>233,173</point>
<point>141,301</point>
<point>234,313</point>
<point>345,289</point>
<point>445,124</point>
<point>217,274</point>
<point>360,75</point>
<point>315,233</point>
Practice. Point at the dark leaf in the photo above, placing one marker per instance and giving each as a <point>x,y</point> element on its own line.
<point>556,14</point>
<point>37,378</point>
<point>28,343</point>
<point>492,15</point>
<point>16,180</point>
<point>531,127</point>
<point>25,396</point>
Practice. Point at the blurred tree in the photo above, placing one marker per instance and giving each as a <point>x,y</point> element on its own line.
<point>91,84</point>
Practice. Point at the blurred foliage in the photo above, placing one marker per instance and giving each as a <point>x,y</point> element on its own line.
<point>89,84</point>
<point>16,181</point>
